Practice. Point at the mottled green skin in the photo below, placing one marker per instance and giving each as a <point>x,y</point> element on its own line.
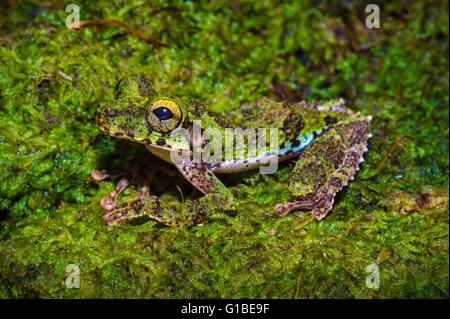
<point>394,214</point>
<point>329,138</point>
<point>124,117</point>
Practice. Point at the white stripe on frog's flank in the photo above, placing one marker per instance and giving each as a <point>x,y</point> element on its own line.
<point>301,142</point>
<point>285,153</point>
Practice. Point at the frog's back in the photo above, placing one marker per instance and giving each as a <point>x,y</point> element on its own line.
<point>295,121</point>
<point>298,125</point>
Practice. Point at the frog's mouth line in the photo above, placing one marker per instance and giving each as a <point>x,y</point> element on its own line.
<point>159,143</point>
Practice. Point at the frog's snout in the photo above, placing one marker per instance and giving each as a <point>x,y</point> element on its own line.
<point>101,121</point>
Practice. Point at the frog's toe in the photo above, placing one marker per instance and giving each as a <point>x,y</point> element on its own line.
<point>286,208</point>
<point>319,206</point>
<point>283,209</point>
<point>108,203</point>
<point>322,209</point>
<point>99,176</point>
<point>114,217</point>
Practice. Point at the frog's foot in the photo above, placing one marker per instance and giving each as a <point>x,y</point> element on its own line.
<point>217,199</point>
<point>186,214</point>
<point>108,202</point>
<point>319,206</point>
<point>99,175</point>
<point>325,167</point>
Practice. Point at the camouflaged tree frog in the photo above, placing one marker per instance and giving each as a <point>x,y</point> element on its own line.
<point>328,139</point>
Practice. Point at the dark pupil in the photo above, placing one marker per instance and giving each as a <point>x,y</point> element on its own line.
<point>163,113</point>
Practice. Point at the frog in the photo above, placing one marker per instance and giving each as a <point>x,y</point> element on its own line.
<point>326,139</point>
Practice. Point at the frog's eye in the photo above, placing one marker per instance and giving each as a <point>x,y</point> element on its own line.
<point>164,115</point>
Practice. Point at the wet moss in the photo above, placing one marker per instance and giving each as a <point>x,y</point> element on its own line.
<point>394,214</point>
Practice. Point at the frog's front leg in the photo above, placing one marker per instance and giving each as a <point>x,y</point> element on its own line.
<point>217,199</point>
<point>325,167</point>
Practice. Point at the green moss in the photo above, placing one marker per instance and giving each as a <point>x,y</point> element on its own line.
<point>394,214</point>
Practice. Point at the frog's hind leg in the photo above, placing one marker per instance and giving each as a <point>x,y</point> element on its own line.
<point>325,167</point>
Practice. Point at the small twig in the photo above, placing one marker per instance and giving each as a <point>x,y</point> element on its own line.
<point>65,76</point>
<point>113,22</point>
<point>366,46</point>
<point>297,286</point>
<point>396,144</point>
<point>181,193</point>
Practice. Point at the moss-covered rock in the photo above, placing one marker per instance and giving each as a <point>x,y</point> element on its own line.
<point>394,214</point>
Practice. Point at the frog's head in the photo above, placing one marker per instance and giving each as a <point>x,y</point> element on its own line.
<point>140,115</point>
